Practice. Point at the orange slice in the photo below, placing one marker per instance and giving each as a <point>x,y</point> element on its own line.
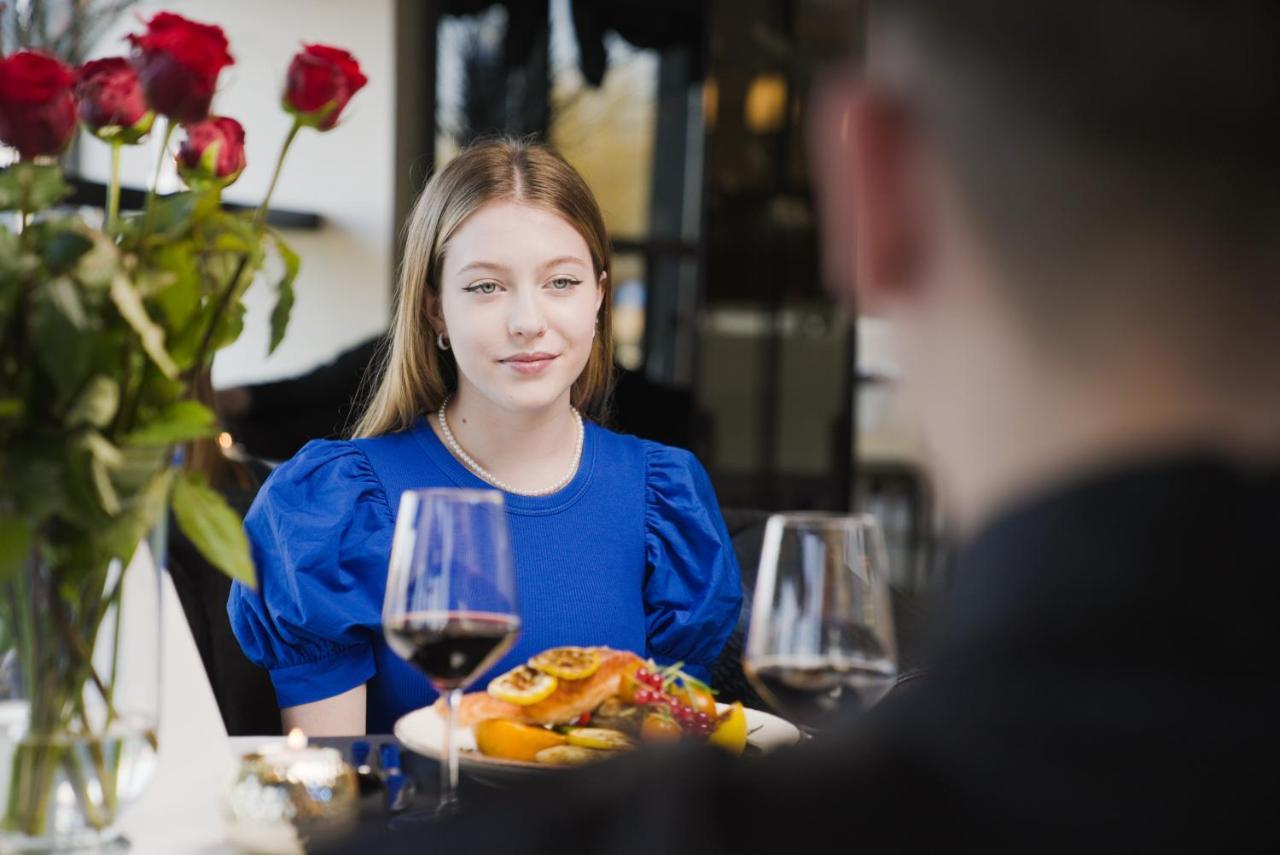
<point>567,663</point>
<point>512,740</point>
<point>522,686</point>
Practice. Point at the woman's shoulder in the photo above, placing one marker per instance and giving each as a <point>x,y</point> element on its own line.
<point>665,467</point>
<point>331,472</point>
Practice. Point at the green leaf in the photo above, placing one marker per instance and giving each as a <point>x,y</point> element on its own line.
<point>65,248</point>
<point>284,292</point>
<point>107,496</point>
<point>150,334</point>
<point>12,408</point>
<point>31,187</point>
<point>180,298</point>
<point>35,479</point>
<point>97,266</point>
<point>48,188</point>
<point>103,457</point>
<point>102,449</point>
<point>230,233</point>
<point>61,352</point>
<point>16,536</point>
<point>173,214</point>
<point>96,404</point>
<point>10,190</point>
<point>118,536</point>
<point>179,422</point>
<point>64,294</point>
<point>214,528</point>
<point>229,326</point>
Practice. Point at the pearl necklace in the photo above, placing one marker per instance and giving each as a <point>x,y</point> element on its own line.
<point>488,476</point>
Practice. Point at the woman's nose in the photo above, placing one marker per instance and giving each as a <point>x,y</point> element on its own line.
<point>526,318</point>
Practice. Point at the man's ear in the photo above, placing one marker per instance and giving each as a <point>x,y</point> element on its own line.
<point>858,141</point>
<point>888,222</point>
<point>829,145</point>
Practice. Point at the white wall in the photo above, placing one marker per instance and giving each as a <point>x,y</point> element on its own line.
<point>345,175</point>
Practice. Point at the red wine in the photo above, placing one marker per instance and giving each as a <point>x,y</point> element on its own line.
<point>812,692</point>
<point>452,648</point>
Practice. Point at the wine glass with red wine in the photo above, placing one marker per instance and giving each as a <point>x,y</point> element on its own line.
<point>820,643</point>
<point>451,608</point>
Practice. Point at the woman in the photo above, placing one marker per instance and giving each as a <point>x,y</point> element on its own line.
<point>497,376</point>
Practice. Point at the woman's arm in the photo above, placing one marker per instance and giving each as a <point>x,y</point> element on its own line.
<point>340,715</point>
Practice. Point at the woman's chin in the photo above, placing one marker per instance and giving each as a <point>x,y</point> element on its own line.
<point>530,395</point>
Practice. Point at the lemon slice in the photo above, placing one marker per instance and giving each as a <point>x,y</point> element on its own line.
<point>600,738</point>
<point>568,755</point>
<point>511,740</point>
<point>731,733</point>
<point>567,663</point>
<point>522,686</point>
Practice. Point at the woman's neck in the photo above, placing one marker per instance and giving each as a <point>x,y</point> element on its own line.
<point>528,450</point>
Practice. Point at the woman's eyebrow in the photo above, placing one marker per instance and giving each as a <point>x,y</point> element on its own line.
<point>494,266</point>
<point>564,259</point>
<point>482,265</point>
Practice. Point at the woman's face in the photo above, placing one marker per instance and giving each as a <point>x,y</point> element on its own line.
<point>518,303</point>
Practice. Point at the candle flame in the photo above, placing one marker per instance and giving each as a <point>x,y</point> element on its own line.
<point>297,739</point>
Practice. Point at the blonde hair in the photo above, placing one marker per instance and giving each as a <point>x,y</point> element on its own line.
<point>416,375</point>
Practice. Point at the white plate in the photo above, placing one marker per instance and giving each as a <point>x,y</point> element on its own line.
<point>422,731</point>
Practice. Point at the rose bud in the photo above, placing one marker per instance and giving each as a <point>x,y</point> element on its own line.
<point>178,62</point>
<point>110,102</point>
<point>37,110</point>
<point>320,82</point>
<point>212,153</point>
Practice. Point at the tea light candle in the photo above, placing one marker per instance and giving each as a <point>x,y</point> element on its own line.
<point>286,795</point>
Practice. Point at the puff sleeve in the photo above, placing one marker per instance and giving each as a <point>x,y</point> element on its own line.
<point>320,531</point>
<point>693,588</point>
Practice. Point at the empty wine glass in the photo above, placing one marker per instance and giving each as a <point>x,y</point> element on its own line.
<point>450,608</point>
<point>820,641</point>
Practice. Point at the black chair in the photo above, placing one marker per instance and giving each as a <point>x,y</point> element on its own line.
<point>244,693</point>
<point>746,529</point>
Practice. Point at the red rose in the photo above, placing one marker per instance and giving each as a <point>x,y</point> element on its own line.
<point>179,62</point>
<point>213,152</point>
<point>321,81</point>
<point>37,111</point>
<point>110,100</point>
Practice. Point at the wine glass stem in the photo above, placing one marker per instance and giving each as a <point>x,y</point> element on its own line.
<point>449,768</point>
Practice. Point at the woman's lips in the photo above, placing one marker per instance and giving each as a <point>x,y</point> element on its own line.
<point>529,364</point>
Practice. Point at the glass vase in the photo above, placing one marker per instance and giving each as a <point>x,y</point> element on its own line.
<point>79,698</point>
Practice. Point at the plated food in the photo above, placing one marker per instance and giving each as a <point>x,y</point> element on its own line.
<point>573,705</point>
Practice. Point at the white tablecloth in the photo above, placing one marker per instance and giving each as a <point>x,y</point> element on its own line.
<point>181,811</point>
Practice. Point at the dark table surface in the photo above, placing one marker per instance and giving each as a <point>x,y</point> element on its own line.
<point>425,775</point>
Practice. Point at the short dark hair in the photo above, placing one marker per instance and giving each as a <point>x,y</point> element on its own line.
<point>1054,113</point>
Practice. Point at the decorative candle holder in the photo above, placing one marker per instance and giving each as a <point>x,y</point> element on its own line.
<point>288,796</point>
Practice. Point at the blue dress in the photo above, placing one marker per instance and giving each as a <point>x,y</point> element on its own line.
<point>632,553</point>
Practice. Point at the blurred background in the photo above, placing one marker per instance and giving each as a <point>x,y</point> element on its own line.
<point>688,121</point>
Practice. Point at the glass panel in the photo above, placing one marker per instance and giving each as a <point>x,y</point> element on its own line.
<point>606,132</point>
<point>629,300</point>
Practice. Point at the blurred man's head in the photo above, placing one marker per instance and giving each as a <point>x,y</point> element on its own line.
<point>1071,208</point>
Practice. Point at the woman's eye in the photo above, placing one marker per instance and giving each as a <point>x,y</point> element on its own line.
<point>564,283</point>
<point>482,288</point>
